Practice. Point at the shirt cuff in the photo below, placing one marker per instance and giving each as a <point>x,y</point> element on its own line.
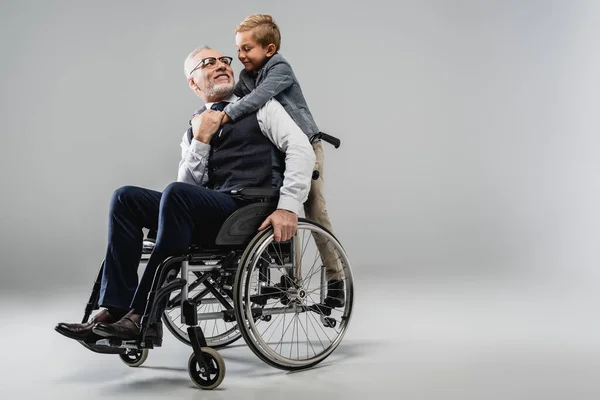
<point>230,111</point>
<point>290,204</point>
<point>199,148</point>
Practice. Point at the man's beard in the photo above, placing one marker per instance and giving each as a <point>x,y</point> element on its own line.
<point>220,89</point>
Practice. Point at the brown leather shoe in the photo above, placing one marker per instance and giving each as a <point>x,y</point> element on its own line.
<point>84,331</point>
<point>128,328</point>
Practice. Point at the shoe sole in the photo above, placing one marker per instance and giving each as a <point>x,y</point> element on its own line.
<point>90,337</point>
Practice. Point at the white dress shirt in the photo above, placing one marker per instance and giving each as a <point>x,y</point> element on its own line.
<point>276,124</point>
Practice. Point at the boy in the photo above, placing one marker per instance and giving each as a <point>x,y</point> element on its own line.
<point>267,74</point>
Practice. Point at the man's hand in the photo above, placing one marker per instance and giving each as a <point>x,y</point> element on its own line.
<point>205,125</point>
<point>225,119</point>
<point>285,224</point>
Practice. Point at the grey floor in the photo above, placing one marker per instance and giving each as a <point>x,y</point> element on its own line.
<point>412,337</point>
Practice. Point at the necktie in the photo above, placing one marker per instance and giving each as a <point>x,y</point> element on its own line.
<point>219,106</point>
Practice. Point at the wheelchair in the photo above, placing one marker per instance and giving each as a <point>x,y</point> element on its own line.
<point>244,284</point>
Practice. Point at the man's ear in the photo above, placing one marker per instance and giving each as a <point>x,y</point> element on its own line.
<point>192,84</point>
<point>271,49</point>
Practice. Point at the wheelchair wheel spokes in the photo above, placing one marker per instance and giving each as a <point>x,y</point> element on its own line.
<point>294,327</point>
<point>217,331</point>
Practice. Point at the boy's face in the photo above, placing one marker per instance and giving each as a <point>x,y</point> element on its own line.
<point>250,53</point>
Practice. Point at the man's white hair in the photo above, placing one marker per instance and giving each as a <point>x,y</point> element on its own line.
<point>186,67</point>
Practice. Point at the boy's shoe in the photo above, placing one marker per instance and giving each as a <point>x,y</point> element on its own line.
<point>335,294</point>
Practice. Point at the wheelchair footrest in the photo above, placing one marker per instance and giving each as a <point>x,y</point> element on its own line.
<point>122,344</point>
<point>103,349</point>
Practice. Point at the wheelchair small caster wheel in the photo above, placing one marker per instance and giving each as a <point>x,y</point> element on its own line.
<point>329,322</point>
<point>211,378</point>
<point>134,358</point>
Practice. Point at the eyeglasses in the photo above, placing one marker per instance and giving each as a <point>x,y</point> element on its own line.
<point>211,62</point>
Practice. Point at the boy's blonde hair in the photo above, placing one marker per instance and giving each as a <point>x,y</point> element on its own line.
<point>265,30</point>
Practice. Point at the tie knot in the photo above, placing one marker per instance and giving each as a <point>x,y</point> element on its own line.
<point>220,106</point>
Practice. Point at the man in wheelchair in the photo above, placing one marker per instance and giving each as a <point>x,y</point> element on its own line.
<point>263,150</point>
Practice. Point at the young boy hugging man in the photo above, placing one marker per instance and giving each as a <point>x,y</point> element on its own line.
<point>267,74</point>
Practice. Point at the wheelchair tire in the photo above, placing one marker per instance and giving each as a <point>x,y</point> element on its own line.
<point>308,313</point>
<point>203,379</point>
<point>134,358</point>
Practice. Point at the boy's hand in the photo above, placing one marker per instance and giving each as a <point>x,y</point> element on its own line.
<point>225,119</point>
<point>205,125</point>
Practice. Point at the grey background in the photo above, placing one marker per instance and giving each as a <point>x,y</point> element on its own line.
<point>469,128</point>
<point>466,190</point>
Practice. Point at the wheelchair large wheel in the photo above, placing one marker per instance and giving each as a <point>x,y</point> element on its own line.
<point>286,316</point>
<point>218,333</point>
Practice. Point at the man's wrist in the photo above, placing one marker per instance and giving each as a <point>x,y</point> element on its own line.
<point>203,137</point>
<point>288,204</point>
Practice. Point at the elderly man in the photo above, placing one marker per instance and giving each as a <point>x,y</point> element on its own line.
<point>264,149</point>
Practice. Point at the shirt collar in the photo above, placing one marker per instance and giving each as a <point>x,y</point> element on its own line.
<point>232,99</point>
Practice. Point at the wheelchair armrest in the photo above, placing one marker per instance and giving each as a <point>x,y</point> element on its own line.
<point>256,193</point>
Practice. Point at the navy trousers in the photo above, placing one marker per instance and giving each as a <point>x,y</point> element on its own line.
<point>181,214</point>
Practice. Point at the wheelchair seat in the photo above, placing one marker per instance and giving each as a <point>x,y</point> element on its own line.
<point>239,228</point>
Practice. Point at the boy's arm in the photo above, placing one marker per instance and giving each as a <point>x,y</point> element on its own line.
<point>241,88</point>
<point>277,78</point>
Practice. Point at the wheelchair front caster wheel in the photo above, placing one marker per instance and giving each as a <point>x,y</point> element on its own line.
<point>134,358</point>
<point>211,377</point>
